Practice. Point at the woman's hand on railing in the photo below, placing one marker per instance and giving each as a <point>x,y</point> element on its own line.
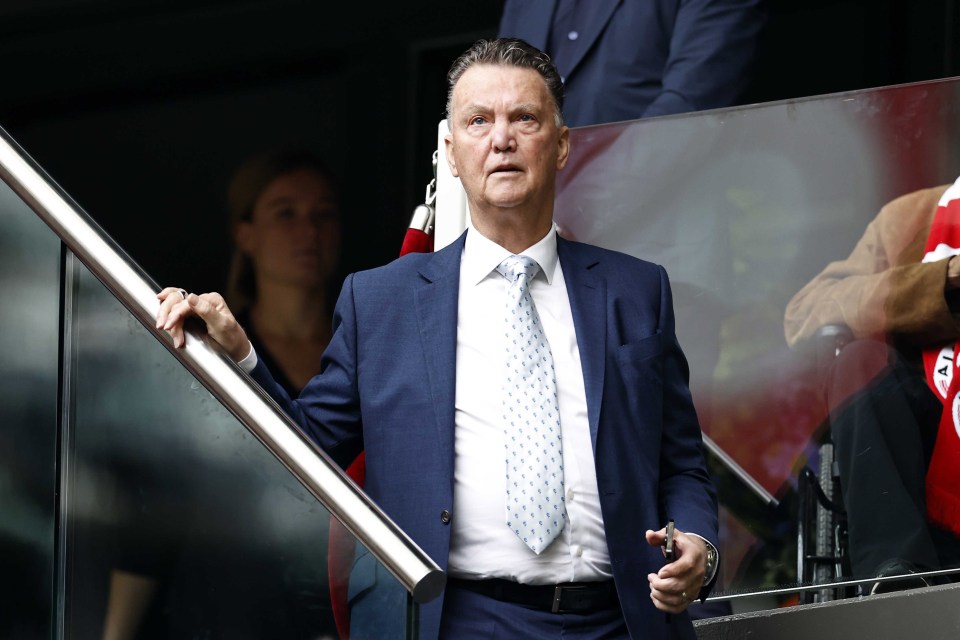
<point>176,305</point>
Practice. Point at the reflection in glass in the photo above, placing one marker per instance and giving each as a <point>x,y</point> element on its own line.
<point>743,207</point>
<point>177,509</point>
<point>29,330</point>
<point>133,504</point>
<point>889,388</point>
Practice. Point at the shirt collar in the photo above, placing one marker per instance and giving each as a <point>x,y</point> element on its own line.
<point>481,256</point>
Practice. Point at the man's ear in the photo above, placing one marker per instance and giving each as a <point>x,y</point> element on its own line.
<point>563,148</point>
<point>450,153</point>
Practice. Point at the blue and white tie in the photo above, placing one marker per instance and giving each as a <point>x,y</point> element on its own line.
<point>535,501</point>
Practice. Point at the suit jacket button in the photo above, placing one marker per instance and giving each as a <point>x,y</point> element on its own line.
<point>445,517</point>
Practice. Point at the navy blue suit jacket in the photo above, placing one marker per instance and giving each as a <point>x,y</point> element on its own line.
<point>642,58</point>
<point>387,386</point>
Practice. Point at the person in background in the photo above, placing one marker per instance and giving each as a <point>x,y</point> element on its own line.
<point>432,357</point>
<point>286,228</point>
<point>888,390</point>
<point>285,223</point>
<point>630,59</point>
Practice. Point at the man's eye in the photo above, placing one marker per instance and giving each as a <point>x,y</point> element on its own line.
<point>284,214</point>
<point>478,120</point>
<point>525,118</point>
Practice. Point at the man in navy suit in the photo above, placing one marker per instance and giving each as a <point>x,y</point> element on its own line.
<point>414,373</point>
<point>629,59</point>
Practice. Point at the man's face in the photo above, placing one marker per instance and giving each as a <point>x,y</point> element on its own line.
<point>504,142</point>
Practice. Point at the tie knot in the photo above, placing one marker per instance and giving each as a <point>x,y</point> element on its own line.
<point>515,266</point>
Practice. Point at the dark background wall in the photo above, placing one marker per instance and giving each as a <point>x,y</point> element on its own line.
<point>142,109</point>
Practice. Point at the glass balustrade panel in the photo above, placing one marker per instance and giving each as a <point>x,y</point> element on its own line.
<point>744,207</point>
<point>29,335</point>
<point>180,518</point>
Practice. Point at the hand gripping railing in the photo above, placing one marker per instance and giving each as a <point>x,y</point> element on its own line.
<point>422,578</point>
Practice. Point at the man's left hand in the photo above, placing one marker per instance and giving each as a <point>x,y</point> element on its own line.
<point>678,583</point>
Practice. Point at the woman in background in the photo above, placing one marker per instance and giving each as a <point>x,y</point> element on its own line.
<point>230,574</point>
<point>286,224</point>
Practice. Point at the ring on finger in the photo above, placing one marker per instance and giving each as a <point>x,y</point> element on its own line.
<point>183,293</point>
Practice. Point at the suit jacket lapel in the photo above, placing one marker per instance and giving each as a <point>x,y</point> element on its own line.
<point>597,18</point>
<point>587,292</point>
<point>437,302</point>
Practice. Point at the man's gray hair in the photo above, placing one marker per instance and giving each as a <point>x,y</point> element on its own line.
<point>510,52</point>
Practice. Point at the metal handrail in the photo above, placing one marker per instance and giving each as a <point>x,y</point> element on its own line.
<point>416,571</point>
<point>842,583</point>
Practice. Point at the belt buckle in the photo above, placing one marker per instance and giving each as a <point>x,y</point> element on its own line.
<point>558,595</point>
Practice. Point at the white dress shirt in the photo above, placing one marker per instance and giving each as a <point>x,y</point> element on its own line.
<point>482,545</point>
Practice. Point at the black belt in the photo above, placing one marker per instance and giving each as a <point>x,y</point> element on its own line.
<point>569,597</point>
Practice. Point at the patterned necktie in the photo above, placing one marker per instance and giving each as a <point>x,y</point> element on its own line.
<point>535,501</point>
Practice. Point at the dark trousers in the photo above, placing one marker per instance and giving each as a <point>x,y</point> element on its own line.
<point>884,420</point>
<point>468,615</point>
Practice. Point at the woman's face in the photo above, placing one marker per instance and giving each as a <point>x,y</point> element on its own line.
<point>293,236</point>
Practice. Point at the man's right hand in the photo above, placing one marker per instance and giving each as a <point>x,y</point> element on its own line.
<point>176,306</point>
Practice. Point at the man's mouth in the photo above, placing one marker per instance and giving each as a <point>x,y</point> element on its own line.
<point>509,168</point>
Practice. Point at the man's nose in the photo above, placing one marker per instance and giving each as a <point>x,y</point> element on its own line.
<point>503,137</point>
